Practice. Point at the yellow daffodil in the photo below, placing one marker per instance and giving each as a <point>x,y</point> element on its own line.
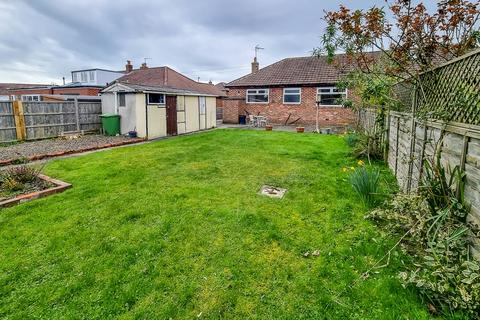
<point>344,169</point>
<point>361,163</point>
<point>352,168</point>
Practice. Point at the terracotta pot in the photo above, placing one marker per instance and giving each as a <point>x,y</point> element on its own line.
<point>268,127</point>
<point>300,129</point>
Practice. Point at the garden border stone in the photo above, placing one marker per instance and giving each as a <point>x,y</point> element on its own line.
<point>67,152</point>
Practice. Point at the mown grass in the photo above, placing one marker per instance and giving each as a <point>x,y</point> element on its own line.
<point>176,229</point>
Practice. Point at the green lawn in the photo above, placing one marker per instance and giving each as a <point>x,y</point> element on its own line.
<point>176,229</point>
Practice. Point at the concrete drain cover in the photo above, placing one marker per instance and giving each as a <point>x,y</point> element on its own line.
<point>272,192</point>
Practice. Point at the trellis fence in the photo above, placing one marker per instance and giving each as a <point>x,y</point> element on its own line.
<point>39,120</point>
<point>449,105</point>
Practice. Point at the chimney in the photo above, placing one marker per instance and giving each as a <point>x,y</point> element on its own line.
<point>128,67</point>
<point>144,66</point>
<point>255,65</point>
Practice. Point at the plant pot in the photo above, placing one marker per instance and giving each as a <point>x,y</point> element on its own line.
<point>132,134</point>
<point>300,129</point>
<point>268,127</point>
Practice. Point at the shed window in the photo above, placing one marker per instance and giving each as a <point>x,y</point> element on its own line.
<point>156,98</point>
<point>202,101</point>
<point>121,99</point>
<point>292,95</point>
<point>331,96</point>
<point>257,96</point>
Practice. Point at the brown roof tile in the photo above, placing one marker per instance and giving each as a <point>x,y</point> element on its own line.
<point>298,71</point>
<point>167,78</point>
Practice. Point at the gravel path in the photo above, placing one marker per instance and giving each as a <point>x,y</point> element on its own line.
<point>50,146</point>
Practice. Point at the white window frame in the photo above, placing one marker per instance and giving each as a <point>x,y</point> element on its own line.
<point>330,92</point>
<point>91,76</point>
<point>31,97</point>
<point>249,92</point>
<point>292,94</point>
<point>83,77</point>
<point>158,104</point>
<point>202,102</point>
<point>124,95</point>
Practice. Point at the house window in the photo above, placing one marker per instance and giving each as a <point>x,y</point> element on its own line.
<point>292,95</point>
<point>121,99</point>
<point>331,96</point>
<point>92,76</point>
<point>75,77</point>
<point>83,76</point>
<point>156,98</point>
<point>202,101</point>
<point>30,97</point>
<point>257,96</point>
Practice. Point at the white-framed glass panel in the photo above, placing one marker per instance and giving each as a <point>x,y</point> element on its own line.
<point>202,101</point>
<point>331,96</point>
<point>156,98</point>
<point>75,77</point>
<point>121,99</point>
<point>92,76</point>
<point>30,97</point>
<point>258,95</point>
<point>83,76</point>
<point>292,95</point>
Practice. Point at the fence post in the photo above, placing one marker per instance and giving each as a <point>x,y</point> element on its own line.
<point>19,117</point>
<point>396,145</point>
<point>77,115</point>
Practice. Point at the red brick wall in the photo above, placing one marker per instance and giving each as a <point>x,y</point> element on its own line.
<point>277,112</point>
<point>89,91</point>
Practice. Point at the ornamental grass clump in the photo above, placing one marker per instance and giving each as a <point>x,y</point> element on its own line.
<point>365,181</point>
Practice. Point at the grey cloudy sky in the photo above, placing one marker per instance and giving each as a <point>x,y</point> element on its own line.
<point>41,41</point>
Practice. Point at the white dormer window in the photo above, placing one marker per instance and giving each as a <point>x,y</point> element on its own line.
<point>83,76</point>
<point>92,76</point>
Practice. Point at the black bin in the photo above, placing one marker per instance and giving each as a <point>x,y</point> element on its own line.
<point>242,119</point>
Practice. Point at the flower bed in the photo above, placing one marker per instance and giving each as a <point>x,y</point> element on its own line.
<point>21,184</point>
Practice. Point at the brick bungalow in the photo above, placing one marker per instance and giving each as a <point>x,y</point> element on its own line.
<point>286,92</point>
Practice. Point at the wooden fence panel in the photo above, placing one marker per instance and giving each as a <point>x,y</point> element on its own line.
<point>89,115</point>
<point>460,146</point>
<point>50,119</point>
<point>7,122</point>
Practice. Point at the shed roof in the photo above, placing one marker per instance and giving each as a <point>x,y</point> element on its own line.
<point>166,79</point>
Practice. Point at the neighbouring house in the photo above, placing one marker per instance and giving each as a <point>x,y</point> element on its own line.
<point>224,94</point>
<point>96,77</point>
<point>159,101</point>
<point>286,92</point>
<point>87,82</point>
<point>6,89</point>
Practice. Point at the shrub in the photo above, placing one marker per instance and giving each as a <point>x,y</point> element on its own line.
<point>11,185</point>
<point>365,181</point>
<point>351,139</point>
<point>22,174</point>
<point>437,240</point>
<point>367,146</point>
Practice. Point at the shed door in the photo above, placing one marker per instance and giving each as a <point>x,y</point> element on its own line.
<point>171,105</point>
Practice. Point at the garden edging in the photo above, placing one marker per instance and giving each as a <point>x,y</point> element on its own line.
<point>67,152</point>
